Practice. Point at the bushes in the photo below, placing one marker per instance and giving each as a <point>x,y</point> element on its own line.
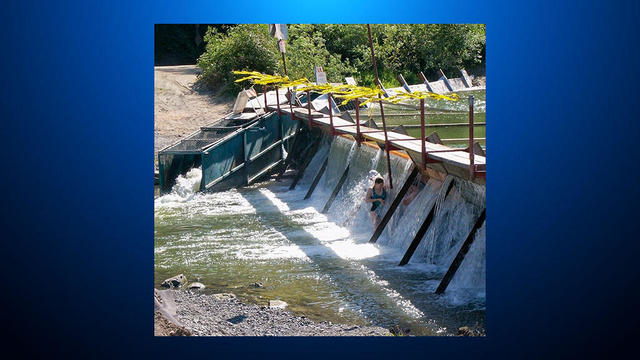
<point>343,50</point>
<point>306,48</point>
<point>243,47</point>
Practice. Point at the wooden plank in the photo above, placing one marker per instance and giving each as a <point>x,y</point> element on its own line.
<point>317,178</point>
<point>461,139</point>
<point>394,205</point>
<point>335,192</point>
<point>461,254</point>
<point>424,227</point>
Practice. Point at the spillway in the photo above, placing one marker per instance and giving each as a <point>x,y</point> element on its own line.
<point>323,264</point>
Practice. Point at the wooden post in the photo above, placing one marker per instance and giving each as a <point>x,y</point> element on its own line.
<point>472,168</point>
<point>394,205</point>
<point>245,155</point>
<point>465,78</point>
<point>423,159</point>
<point>403,83</point>
<point>384,124</point>
<point>333,130</point>
<point>281,135</point>
<point>461,254</point>
<point>446,81</point>
<point>358,136</point>
<point>264,89</point>
<point>426,82</point>
<point>317,178</point>
<point>309,109</point>
<point>336,190</point>
<point>423,229</point>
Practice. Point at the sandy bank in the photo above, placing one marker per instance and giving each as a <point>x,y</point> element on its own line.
<point>180,108</point>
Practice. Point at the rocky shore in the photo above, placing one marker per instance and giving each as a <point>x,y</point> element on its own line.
<point>189,312</point>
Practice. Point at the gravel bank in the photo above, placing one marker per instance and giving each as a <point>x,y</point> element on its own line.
<point>224,315</point>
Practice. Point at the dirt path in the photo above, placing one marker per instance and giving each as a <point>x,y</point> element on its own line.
<point>180,108</point>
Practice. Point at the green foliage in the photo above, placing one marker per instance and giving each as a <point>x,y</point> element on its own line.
<point>306,48</point>
<point>411,48</point>
<point>343,50</point>
<point>243,47</point>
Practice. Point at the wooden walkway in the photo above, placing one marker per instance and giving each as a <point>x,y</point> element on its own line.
<point>455,162</point>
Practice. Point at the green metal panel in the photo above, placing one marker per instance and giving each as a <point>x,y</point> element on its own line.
<point>230,158</point>
<point>220,160</point>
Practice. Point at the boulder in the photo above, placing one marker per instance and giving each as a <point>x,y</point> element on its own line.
<point>277,304</point>
<point>224,296</point>
<point>396,330</point>
<point>196,286</point>
<point>175,281</point>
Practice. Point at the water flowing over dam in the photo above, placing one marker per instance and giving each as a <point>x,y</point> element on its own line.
<point>322,264</point>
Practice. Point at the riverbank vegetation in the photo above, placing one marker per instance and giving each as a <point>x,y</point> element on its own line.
<point>342,50</point>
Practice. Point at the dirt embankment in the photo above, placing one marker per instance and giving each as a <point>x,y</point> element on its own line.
<point>179,107</point>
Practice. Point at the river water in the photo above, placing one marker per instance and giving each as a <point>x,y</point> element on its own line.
<point>322,265</point>
<point>437,112</point>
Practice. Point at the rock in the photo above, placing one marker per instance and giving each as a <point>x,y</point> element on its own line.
<point>196,286</point>
<point>257,285</point>
<point>396,330</point>
<point>465,331</point>
<point>175,281</point>
<point>223,296</point>
<point>277,304</point>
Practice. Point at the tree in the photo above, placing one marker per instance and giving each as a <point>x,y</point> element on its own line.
<point>243,47</point>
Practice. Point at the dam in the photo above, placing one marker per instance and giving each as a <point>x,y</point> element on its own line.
<point>275,198</point>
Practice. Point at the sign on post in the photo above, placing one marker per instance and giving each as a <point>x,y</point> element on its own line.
<point>321,76</point>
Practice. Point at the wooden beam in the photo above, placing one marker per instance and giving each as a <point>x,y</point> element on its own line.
<point>465,78</point>
<point>423,228</point>
<point>245,156</point>
<point>403,83</point>
<point>426,82</point>
<point>305,155</point>
<point>461,139</point>
<point>461,254</point>
<point>225,176</point>
<point>394,205</point>
<point>335,192</point>
<point>287,160</point>
<point>317,178</point>
<point>264,171</point>
<point>446,81</point>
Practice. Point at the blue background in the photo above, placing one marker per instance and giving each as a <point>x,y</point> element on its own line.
<point>562,185</point>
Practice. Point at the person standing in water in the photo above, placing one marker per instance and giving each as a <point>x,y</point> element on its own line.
<point>376,196</point>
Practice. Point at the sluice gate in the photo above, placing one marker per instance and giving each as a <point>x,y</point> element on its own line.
<point>230,156</point>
